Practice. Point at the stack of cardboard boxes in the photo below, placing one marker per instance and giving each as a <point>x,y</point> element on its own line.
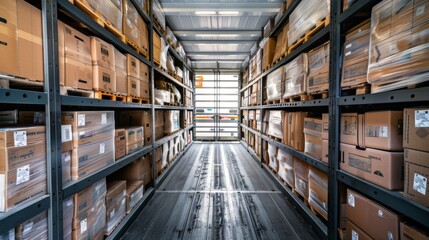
<point>115,204</point>
<point>120,143</point>
<point>318,191</point>
<point>138,172</point>
<point>133,75</point>
<point>268,47</point>
<point>286,172</point>
<point>313,137</point>
<point>256,65</point>
<point>159,124</point>
<point>92,141</point>
<point>281,43</point>
<point>22,166</point>
<point>134,27</point>
<point>301,170</point>
<point>134,194</point>
<point>318,69</point>
<point>295,76</point>
<point>293,130</point>
<point>134,139</point>
<point>171,121</point>
<point>275,124</point>
<point>103,66</point>
<point>274,84</point>
<point>68,208</point>
<point>138,118</point>
<point>272,157</point>
<point>121,73</point>
<point>325,138</point>
<point>34,228</point>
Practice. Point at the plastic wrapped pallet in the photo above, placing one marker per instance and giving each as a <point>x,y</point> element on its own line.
<point>286,167</point>
<point>121,73</point>
<point>318,69</point>
<point>305,16</point>
<point>355,56</point>
<point>313,137</point>
<point>171,121</point>
<point>301,170</point>
<point>272,155</point>
<point>158,13</point>
<point>293,129</point>
<point>67,218</point>
<point>111,12</point>
<point>281,43</point>
<point>269,48</point>
<point>274,84</point>
<point>134,194</point>
<point>164,54</point>
<point>130,22</point>
<point>295,76</point>
<point>164,160</point>
<point>275,124</point>
<point>318,191</point>
<point>170,63</point>
<point>115,204</point>
<point>399,45</point>
<point>170,37</point>
<point>34,228</point>
<point>156,47</point>
<point>134,138</point>
<point>23,170</point>
<point>268,27</point>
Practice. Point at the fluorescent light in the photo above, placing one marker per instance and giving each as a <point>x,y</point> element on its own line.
<point>205,12</point>
<point>229,12</point>
<point>216,35</point>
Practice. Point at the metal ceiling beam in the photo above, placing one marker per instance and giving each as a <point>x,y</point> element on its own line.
<point>217,42</point>
<point>270,7</point>
<point>217,31</point>
<point>217,53</point>
<point>238,61</point>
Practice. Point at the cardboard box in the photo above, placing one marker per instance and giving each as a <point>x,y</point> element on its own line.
<point>133,66</point>
<point>318,191</point>
<point>379,167</point>
<point>325,126</point>
<point>115,204</point>
<point>90,224</point>
<point>416,129</point>
<point>21,136</point>
<point>31,117</point>
<point>30,47</point>
<point>318,69</point>
<point>301,170</point>
<point>8,35</point>
<point>156,47</point>
<point>34,228</point>
<point>409,232</point>
<point>349,128</point>
<point>286,167</point>
<point>120,143</point>
<point>129,22</point>
<point>102,53</point>
<point>144,90</point>
<point>67,217</point>
<point>325,151</point>
<point>104,79</point>
<point>139,170</point>
<point>268,50</point>
<point>296,129</point>
<point>313,137</point>
<point>121,73</point>
<point>85,199</point>
<point>8,117</point>
<point>138,118</point>
<point>354,232</point>
<point>416,175</point>
<point>134,194</point>
<point>75,52</point>
<point>377,221</point>
<point>133,88</point>
<point>383,130</point>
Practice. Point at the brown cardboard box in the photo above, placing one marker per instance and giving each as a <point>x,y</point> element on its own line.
<point>90,224</point>
<point>325,126</point>
<point>34,228</point>
<point>134,194</point>
<point>379,167</point>
<point>377,221</point>
<point>416,175</point>
<point>133,86</point>
<point>30,47</point>
<point>383,130</point>
<point>318,69</point>
<point>297,131</point>
<point>268,50</point>
<point>416,128</point>
<point>139,170</point>
<point>268,27</point>
<point>134,134</point>
<point>325,151</point>
<point>301,170</point>
<point>121,73</point>
<point>120,143</point>
<point>318,191</point>
<point>286,167</point>
<point>8,35</point>
<point>133,66</point>
<point>144,89</point>
<point>32,117</point>
<point>412,233</point>
<point>138,118</point>
<point>21,136</point>
<point>104,79</point>
<point>66,166</point>
<point>144,72</point>
<point>349,128</point>
<point>130,21</point>
<point>354,232</point>
<point>77,70</point>
<point>144,35</point>
<point>313,137</point>
<point>156,47</point>
<point>102,54</point>
<point>421,8</point>
<point>159,118</point>
<point>115,204</point>
<point>85,199</point>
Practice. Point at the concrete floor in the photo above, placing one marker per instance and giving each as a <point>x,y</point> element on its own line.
<point>217,191</point>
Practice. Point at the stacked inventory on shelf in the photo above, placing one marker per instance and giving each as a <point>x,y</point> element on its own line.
<point>371,63</point>
<point>107,168</point>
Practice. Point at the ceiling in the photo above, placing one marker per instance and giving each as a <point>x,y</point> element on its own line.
<point>218,33</point>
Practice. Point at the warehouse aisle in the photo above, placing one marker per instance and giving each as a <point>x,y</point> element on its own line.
<point>217,191</point>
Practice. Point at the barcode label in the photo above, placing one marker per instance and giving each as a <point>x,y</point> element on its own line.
<point>20,138</point>
<point>27,228</point>
<point>66,157</point>
<point>104,50</point>
<point>66,135</point>
<point>351,200</point>
<point>102,148</point>
<point>106,77</point>
<point>420,183</point>
<point>83,226</point>
<point>104,118</point>
<point>22,174</point>
<point>80,120</point>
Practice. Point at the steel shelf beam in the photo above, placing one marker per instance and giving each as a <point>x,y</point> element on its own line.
<point>393,200</point>
<point>81,184</point>
<point>92,102</point>
<point>165,107</point>
<point>300,104</point>
<point>14,96</point>
<point>14,217</point>
<point>168,138</point>
<point>172,79</point>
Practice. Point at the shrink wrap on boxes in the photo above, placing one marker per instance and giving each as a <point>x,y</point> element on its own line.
<point>318,69</point>
<point>115,204</point>
<point>111,11</point>
<point>274,84</point>
<point>134,193</point>
<point>301,170</point>
<point>171,121</point>
<point>272,155</point>
<point>282,43</point>
<point>170,36</point>
<point>313,137</point>
<point>34,228</point>
<point>121,73</point>
<point>67,218</point>
<point>318,191</point>
<point>286,167</point>
<point>275,124</point>
<point>295,76</point>
<point>158,13</point>
<point>268,46</point>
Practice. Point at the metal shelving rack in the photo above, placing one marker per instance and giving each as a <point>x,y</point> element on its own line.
<point>340,23</point>
<point>53,102</point>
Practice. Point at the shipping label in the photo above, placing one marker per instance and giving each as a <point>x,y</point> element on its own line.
<point>351,199</point>
<point>104,118</point>
<point>83,225</point>
<point>420,183</point>
<point>102,148</point>
<point>377,131</point>
<point>66,156</point>
<point>66,133</point>
<point>22,174</point>
<point>20,138</point>
<point>421,118</point>
<point>355,235</point>
<point>81,120</point>
<point>27,228</point>
<point>360,162</point>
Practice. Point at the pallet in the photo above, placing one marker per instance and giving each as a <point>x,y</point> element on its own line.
<point>356,90</point>
<point>114,227</point>
<point>171,43</point>
<point>158,25</point>
<point>145,100</point>
<point>70,91</point>
<point>157,63</point>
<point>13,82</point>
<point>266,68</point>
<point>133,45</point>
<point>291,188</point>
<point>317,213</point>
<point>296,98</point>
<point>279,59</point>
<point>319,95</point>
<point>178,78</point>
<point>303,198</point>
<point>275,138</point>
<point>171,73</point>
<point>109,96</point>
<point>144,52</point>
<point>133,99</point>
<point>276,101</point>
<point>305,37</point>
<point>109,26</point>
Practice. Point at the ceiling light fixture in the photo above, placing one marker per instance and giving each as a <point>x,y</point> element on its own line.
<point>205,12</point>
<point>229,13</point>
<point>216,35</point>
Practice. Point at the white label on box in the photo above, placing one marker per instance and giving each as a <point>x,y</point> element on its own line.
<point>420,183</point>
<point>422,118</point>
<point>377,131</point>
<point>81,133</point>
<point>351,200</point>
<point>20,138</point>
<point>112,213</point>
<point>124,193</point>
<point>83,226</point>
<point>389,235</point>
<point>66,156</point>
<point>348,45</point>
<point>380,213</point>
<point>22,174</point>
<point>27,228</point>
<point>103,118</point>
<point>80,120</point>
<point>66,135</point>
<point>102,148</point>
<point>420,10</point>
<point>355,235</point>
<point>348,53</point>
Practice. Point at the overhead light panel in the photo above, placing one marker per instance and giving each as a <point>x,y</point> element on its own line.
<point>205,12</point>
<point>216,35</point>
<point>229,13</point>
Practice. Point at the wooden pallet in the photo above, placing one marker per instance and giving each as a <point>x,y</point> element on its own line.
<point>356,90</point>
<point>145,100</point>
<point>275,138</point>
<point>13,82</point>
<point>319,95</point>
<point>171,133</point>
<point>171,73</point>
<point>158,25</point>
<point>178,78</point>
<point>266,69</point>
<point>279,59</point>
<point>157,63</point>
<point>297,98</point>
<point>171,43</point>
<point>144,52</point>
<point>305,37</point>
<point>109,26</point>
<point>303,198</point>
<point>275,101</point>
<point>109,96</point>
<point>114,227</point>
<point>133,99</point>
<point>133,45</point>
<point>70,91</point>
<point>291,188</point>
<point>316,212</point>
